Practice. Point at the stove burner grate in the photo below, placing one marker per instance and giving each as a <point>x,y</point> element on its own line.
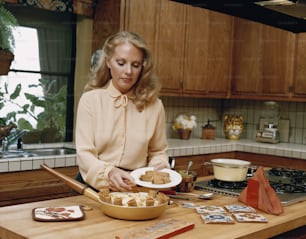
<point>279,187</point>
<point>287,188</point>
<point>227,185</point>
<point>285,172</point>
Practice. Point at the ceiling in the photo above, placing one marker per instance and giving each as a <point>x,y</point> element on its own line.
<point>289,15</point>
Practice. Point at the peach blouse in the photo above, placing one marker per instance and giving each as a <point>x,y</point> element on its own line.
<point>111,132</point>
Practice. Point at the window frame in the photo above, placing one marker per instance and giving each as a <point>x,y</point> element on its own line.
<point>21,13</point>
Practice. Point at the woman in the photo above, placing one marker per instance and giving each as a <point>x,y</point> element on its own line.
<point>120,120</point>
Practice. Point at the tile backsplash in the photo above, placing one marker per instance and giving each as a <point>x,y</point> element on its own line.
<point>251,110</point>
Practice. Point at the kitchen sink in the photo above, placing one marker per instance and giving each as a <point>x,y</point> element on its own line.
<point>16,154</point>
<point>51,151</point>
<point>37,152</point>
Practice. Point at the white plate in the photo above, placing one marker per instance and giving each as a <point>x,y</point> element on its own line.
<point>175,178</point>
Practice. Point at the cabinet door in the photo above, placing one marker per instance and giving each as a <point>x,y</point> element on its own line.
<point>140,17</point>
<point>219,59</point>
<point>299,84</point>
<point>246,58</point>
<point>262,61</point>
<point>277,61</point>
<point>169,45</point>
<point>208,52</point>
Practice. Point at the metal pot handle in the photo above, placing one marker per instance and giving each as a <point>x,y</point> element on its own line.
<point>251,171</point>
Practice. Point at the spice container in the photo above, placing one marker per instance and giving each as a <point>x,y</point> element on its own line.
<point>208,131</point>
<point>188,181</point>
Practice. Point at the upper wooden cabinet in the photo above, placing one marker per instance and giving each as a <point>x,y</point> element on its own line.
<point>299,83</point>
<point>140,17</point>
<point>246,58</point>
<point>263,61</point>
<point>169,58</point>
<point>202,53</point>
<point>277,61</point>
<point>193,51</point>
<point>208,53</point>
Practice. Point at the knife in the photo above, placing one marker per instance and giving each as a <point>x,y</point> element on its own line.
<point>188,196</point>
<point>178,195</point>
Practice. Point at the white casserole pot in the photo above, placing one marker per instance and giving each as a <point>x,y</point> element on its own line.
<point>230,170</point>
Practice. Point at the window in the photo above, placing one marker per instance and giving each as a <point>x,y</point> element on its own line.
<point>38,91</point>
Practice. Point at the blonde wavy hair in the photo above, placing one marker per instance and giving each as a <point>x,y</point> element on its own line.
<point>147,87</point>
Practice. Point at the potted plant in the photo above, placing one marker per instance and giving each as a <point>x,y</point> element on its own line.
<point>184,123</point>
<point>7,41</point>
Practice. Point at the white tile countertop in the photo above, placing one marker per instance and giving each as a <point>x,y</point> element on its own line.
<point>32,163</point>
<point>177,147</point>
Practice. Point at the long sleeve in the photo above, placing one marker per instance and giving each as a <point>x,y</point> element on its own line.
<point>91,168</point>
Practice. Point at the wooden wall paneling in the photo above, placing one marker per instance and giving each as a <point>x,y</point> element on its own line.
<point>107,21</point>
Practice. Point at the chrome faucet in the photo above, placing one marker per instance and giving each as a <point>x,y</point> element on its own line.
<point>13,137</point>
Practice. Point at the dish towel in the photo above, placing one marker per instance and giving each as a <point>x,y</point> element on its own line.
<point>259,194</point>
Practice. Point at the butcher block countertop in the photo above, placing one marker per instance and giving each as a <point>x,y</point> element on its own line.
<point>16,221</point>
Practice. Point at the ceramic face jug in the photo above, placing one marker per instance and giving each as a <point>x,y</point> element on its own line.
<point>233,126</point>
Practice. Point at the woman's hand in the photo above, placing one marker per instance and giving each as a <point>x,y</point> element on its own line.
<point>120,180</point>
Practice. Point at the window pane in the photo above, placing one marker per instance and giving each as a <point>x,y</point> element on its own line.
<point>12,104</point>
<point>26,50</point>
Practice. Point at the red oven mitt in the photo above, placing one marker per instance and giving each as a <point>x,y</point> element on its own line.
<point>259,194</point>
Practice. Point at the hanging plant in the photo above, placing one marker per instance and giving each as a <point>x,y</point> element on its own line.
<point>7,41</point>
<point>7,24</point>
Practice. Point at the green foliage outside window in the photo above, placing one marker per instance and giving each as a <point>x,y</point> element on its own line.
<point>52,120</point>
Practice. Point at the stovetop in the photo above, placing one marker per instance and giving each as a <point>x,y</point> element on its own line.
<point>289,184</point>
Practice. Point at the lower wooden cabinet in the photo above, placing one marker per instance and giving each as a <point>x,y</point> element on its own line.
<point>31,186</point>
<point>272,161</point>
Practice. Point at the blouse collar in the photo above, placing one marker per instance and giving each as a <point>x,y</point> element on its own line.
<point>119,98</point>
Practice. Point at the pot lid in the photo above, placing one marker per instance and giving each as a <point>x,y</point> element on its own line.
<point>230,162</point>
